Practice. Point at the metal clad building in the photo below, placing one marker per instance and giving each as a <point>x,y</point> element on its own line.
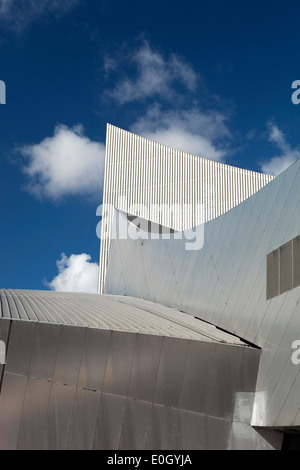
<point>245,280</point>
<point>167,186</point>
<point>86,372</point>
<point>185,349</point>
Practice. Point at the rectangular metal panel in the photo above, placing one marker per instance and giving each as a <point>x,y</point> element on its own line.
<point>286,267</point>
<point>44,351</point>
<point>272,274</point>
<point>171,371</point>
<point>84,418</point>
<point>59,417</point>
<point>119,363</point>
<point>296,261</point>
<point>135,427</point>
<point>69,355</point>
<point>224,381</point>
<point>196,383</point>
<point>188,431</point>
<point>161,428</point>
<point>109,422</point>
<point>20,347</point>
<point>34,414</point>
<point>216,434</point>
<point>145,367</point>
<point>94,359</point>
<point>11,404</point>
<point>249,370</point>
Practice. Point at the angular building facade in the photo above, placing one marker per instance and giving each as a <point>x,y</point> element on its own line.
<point>186,348</point>
<point>105,372</point>
<point>166,186</point>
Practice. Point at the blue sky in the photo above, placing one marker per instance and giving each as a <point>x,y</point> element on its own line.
<point>213,79</point>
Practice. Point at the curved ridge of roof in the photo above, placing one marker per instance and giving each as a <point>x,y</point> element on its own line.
<point>113,312</point>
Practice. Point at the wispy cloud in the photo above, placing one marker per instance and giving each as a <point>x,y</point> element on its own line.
<point>68,163</point>
<point>287,155</point>
<point>202,133</point>
<point>167,90</point>
<point>154,75</point>
<point>17,14</point>
<point>75,274</point>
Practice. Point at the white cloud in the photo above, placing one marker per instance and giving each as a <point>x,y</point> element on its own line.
<point>203,134</point>
<point>287,156</point>
<point>17,14</point>
<point>155,76</point>
<point>169,80</point>
<point>66,164</point>
<point>75,274</point>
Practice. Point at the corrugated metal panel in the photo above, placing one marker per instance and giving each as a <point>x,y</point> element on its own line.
<point>107,312</point>
<point>149,174</point>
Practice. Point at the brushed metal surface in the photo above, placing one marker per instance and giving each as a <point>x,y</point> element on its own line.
<point>34,415</point>
<point>19,347</point>
<point>171,371</point>
<point>216,434</point>
<point>150,174</point>
<point>44,351</point>
<point>69,354</point>
<point>145,367</point>
<point>119,363</point>
<point>94,357</point>
<point>11,404</point>
<point>189,430</point>
<point>109,422</point>
<point>83,423</point>
<point>197,379</point>
<point>59,416</point>
<point>161,428</point>
<point>135,426</point>
<point>226,284</point>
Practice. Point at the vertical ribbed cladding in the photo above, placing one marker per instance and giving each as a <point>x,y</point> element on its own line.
<point>5,312</point>
<point>151,174</point>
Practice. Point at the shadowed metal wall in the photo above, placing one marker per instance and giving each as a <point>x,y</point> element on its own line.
<point>68,387</point>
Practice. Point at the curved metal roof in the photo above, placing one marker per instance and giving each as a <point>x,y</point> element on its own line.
<point>113,312</point>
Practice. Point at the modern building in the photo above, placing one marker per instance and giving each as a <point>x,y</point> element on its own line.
<point>192,343</point>
<point>166,186</point>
